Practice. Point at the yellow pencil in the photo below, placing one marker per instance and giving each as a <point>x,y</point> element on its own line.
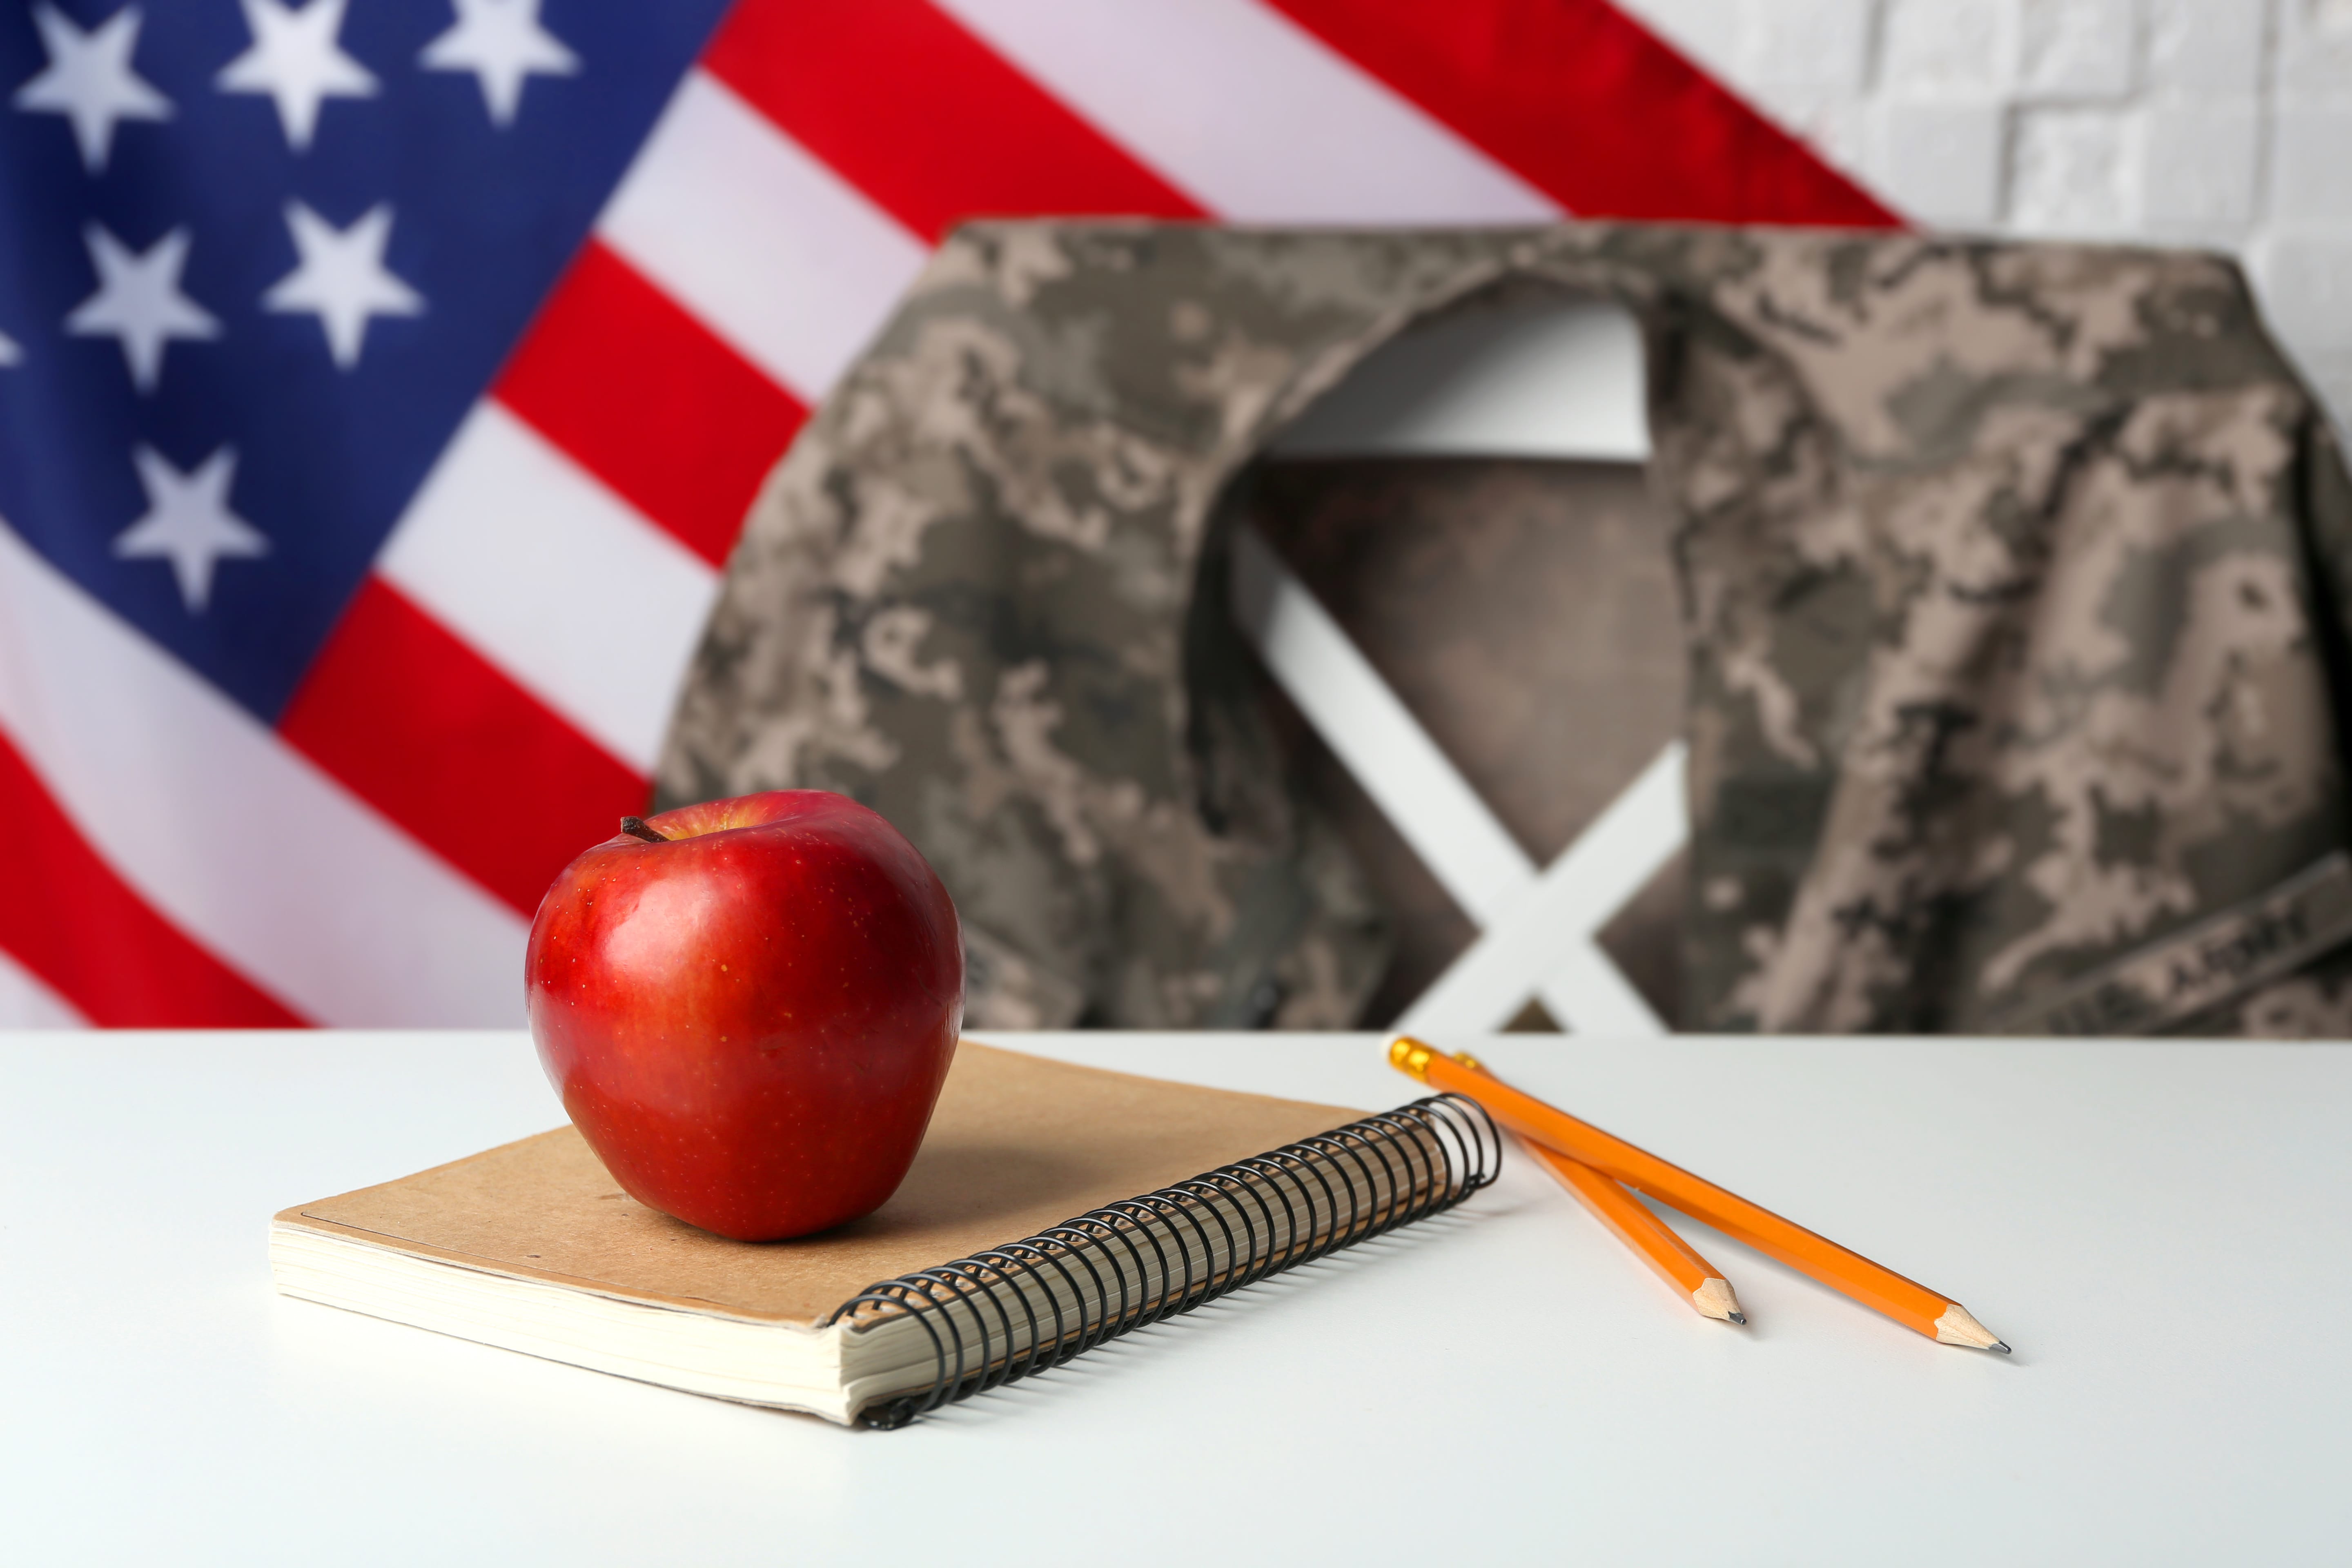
<point>1908,1302</point>
<point>1654,1241</point>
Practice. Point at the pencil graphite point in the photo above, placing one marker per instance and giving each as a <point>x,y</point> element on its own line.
<point>1958,1326</point>
<point>1714,1300</point>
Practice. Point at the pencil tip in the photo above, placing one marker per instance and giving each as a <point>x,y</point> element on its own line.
<point>1958,1327</point>
<point>1740,1318</point>
<point>1714,1300</point>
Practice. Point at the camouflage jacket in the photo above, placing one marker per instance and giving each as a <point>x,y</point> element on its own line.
<point>2015,580</point>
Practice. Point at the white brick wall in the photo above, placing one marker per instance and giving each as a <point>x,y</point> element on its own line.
<point>2212,122</point>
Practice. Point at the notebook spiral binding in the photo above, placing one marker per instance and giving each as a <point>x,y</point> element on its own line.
<point>1392,1168</point>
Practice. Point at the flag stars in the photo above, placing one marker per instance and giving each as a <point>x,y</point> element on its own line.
<point>188,523</point>
<point>342,278</point>
<point>139,301</point>
<point>297,62</point>
<point>501,42</point>
<point>90,81</point>
<point>10,354</point>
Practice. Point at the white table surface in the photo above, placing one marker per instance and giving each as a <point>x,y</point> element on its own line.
<point>2158,1229</point>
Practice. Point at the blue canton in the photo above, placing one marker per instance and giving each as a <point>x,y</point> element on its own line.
<point>258,259</point>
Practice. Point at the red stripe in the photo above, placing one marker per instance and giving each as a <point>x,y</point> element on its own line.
<point>92,939</point>
<point>1591,108</point>
<point>925,119</point>
<point>412,722</point>
<point>645,397</point>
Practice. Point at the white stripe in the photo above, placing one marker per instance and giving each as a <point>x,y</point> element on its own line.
<point>769,248</point>
<point>1479,863</point>
<point>234,837</point>
<point>1259,120</point>
<point>26,1004</point>
<point>556,580</point>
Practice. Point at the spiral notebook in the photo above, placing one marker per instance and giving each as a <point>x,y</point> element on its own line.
<point>1052,1207</point>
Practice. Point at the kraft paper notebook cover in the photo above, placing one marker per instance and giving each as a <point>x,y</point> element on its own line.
<point>1052,1207</point>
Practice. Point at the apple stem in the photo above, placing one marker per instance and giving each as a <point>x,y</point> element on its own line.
<point>634,826</point>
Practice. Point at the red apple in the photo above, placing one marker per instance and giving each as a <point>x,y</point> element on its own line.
<point>748,1007</point>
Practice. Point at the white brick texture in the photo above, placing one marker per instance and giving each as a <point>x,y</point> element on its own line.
<point>2311,163</point>
<point>2307,289</point>
<point>2223,123</point>
<point>1822,45</point>
<point>2199,166</point>
<point>2076,49</point>
<point>2311,53</point>
<point>1946,46</point>
<point>2206,48</point>
<point>2072,172</point>
<point>1947,150</point>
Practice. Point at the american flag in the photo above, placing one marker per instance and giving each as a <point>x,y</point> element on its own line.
<point>383,383</point>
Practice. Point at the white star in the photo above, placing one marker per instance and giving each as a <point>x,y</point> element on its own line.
<point>9,353</point>
<point>342,278</point>
<point>139,301</point>
<point>90,81</point>
<point>188,522</point>
<point>501,42</point>
<point>297,62</point>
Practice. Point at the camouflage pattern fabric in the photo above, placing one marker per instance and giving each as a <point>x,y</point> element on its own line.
<point>2015,580</point>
